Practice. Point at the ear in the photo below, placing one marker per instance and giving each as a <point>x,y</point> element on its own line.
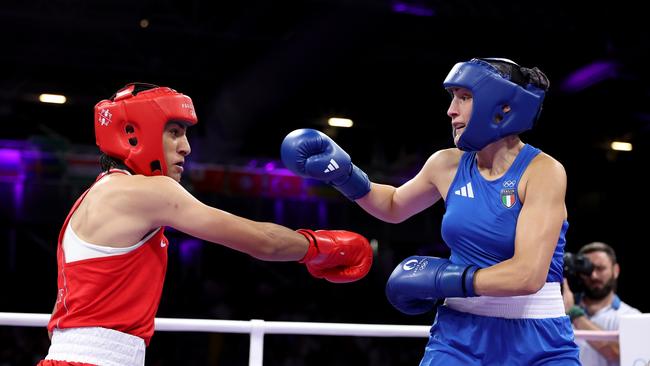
<point>617,270</point>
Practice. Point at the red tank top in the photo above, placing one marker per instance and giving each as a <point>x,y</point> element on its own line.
<point>120,292</point>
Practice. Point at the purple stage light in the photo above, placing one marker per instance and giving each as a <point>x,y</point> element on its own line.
<point>9,159</point>
<point>322,214</point>
<point>252,163</point>
<point>412,9</point>
<point>590,75</point>
<point>269,166</point>
<point>190,250</point>
<point>278,210</point>
<point>13,171</point>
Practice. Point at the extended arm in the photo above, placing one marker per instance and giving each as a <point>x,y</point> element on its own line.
<point>395,205</point>
<point>339,256</point>
<point>312,154</point>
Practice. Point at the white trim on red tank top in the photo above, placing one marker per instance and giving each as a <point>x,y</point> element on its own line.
<point>77,249</point>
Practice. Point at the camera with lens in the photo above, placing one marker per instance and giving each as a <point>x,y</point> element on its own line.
<point>576,265</point>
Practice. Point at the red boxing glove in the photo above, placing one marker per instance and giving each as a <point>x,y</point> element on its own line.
<point>336,255</point>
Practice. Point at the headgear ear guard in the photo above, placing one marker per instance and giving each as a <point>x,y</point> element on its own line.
<point>495,83</point>
<point>129,126</point>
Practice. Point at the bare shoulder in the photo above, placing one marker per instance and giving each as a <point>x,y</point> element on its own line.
<point>137,190</point>
<point>156,185</point>
<point>440,169</point>
<point>120,209</point>
<point>545,166</point>
<point>444,159</point>
<point>546,176</point>
<point>135,184</point>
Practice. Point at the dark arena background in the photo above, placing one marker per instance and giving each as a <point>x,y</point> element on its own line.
<point>257,70</point>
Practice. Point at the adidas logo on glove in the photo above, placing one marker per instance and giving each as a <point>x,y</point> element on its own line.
<point>332,166</point>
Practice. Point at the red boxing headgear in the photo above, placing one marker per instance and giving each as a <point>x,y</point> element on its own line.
<point>130,125</point>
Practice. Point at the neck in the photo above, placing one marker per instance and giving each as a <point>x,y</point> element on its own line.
<point>494,159</point>
<point>593,306</point>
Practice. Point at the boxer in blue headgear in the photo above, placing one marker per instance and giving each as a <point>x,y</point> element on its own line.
<point>507,99</point>
<point>504,223</point>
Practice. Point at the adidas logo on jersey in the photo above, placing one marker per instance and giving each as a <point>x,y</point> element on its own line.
<point>465,191</point>
<point>332,166</point>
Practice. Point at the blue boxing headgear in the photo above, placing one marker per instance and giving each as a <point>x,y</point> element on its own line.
<point>496,83</point>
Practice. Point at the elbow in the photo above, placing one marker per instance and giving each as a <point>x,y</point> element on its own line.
<point>264,254</point>
<point>531,284</point>
<point>532,288</point>
<point>266,250</point>
<point>392,217</point>
<point>387,217</point>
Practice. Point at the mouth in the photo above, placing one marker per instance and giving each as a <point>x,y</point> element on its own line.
<point>457,128</point>
<point>180,164</point>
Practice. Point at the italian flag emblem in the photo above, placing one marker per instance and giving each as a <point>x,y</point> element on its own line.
<point>508,197</point>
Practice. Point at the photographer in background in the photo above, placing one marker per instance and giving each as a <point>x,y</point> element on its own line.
<point>590,299</point>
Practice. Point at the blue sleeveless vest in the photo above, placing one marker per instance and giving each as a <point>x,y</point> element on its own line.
<point>481,215</point>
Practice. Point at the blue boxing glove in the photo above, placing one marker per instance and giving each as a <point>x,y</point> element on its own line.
<point>418,282</point>
<point>312,154</point>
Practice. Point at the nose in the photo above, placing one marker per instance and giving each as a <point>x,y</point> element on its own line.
<point>184,146</point>
<point>452,111</point>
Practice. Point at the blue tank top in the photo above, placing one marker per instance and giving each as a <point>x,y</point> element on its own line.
<point>481,215</point>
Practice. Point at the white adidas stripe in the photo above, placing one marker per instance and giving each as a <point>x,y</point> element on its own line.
<point>331,166</point>
<point>465,191</point>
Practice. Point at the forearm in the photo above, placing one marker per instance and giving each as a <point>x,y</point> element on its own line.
<point>609,350</point>
<point>379,203</point>
<point>507,278</point>
<point>278,243</point>
<point>262,240</point>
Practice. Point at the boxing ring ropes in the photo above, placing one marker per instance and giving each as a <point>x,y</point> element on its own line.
<point>257,328</point>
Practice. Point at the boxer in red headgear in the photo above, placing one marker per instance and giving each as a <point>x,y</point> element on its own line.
<point>129,125</point>
<point>112,253</point>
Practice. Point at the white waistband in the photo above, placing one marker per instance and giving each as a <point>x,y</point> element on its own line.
<point>545,303</point>
<point>97,346</point>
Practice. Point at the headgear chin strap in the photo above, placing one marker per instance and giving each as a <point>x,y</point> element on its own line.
<point>130,125</point>
<point>491,91</point>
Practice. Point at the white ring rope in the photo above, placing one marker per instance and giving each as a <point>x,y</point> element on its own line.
<point>273,327</point>
<point>257,328</point>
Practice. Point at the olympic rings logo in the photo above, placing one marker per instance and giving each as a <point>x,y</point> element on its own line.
<point>509,183</point>
<point>409,265</point>
<point>641,362</point>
